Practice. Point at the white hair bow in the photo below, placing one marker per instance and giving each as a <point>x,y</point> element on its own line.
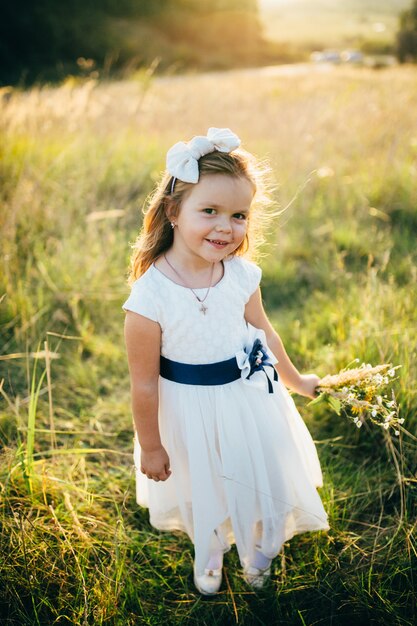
<point>182,158</point>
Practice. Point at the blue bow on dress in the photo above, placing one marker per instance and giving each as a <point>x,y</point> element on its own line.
<point>255,358</point>
<point>258,359</point>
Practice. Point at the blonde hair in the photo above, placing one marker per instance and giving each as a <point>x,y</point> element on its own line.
<point>156,235</point>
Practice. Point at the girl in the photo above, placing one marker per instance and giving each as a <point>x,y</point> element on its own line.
<point>220,449</point>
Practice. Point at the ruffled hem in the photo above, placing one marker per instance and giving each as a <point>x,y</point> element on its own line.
<point>244,469</point>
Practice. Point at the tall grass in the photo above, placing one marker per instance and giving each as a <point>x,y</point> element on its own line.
<point>339,277</point>
<point>347,23</point>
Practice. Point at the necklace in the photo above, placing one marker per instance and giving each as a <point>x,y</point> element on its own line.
<point>203,308</point>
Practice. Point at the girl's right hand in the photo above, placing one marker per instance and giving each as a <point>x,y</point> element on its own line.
<point>155,464</point>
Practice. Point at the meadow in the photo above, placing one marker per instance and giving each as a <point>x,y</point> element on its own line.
<point>339,283</point>
<point>309,24</point>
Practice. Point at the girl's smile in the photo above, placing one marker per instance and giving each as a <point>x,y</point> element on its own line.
<point>218,244</point>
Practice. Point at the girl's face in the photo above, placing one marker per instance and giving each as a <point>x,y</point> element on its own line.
<point>213,217</point>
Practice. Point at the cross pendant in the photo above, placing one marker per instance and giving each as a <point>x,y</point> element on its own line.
<point>203,308</point>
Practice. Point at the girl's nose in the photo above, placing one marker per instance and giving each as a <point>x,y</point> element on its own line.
<point>223,226</point>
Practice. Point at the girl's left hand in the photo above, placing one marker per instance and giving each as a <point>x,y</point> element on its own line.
<point>307,386</point>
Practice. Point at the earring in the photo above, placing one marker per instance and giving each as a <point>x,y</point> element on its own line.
<point>172,225</point>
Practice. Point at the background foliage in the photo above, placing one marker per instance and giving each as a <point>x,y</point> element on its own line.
<point>407,35</point>
<point>43,40</point>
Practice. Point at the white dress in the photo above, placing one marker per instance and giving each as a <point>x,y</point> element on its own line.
<point>244,466</point>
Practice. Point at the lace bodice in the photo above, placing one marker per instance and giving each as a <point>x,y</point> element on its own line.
<point>188,335</point>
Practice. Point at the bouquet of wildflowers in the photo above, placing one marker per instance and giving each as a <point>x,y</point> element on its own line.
<point>363,393</point>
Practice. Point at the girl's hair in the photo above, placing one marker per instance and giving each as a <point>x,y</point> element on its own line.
<point>156,234</point>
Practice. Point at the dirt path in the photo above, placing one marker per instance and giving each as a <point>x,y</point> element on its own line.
<point>289,69</point>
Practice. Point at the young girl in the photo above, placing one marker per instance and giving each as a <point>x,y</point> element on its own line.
<point>221,452</point>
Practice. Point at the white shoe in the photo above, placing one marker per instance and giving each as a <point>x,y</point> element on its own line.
<point>256,577</point>
<point>208,583</point>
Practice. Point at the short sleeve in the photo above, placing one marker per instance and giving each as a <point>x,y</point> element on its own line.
<point>142,300</point>
<point>254,274</point>
<point>249,276</point>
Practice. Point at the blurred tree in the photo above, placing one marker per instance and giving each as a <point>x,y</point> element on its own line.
<point>39,35</point>
<point>42,40</point>
<point>407,35</point>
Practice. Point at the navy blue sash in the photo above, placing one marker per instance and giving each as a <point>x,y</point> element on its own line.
<point>219,373</point>
<point>208,374</point>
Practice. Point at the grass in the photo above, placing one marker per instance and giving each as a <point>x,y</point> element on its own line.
<point>339,278</point>
<point>319,24</point>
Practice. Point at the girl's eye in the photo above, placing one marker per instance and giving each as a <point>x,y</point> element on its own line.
<point>240,216</point>
<point>209,211</point>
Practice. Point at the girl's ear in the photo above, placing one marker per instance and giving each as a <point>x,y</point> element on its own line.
<point>171,209</point>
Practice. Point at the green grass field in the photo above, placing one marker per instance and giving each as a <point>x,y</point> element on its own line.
<point>339,283</point>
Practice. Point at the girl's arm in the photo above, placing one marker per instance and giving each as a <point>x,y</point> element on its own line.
<point>143,344</point>
<point>303,384</point>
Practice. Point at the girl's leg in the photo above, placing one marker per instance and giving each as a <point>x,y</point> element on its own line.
<point>259,568</point>
<point>259,560</point>
<point>209,583</point>
<point>215,561</point>
<point>216,553</point>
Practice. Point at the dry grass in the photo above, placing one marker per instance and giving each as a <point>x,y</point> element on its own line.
<point>352,376</point>
<point>345,23</point>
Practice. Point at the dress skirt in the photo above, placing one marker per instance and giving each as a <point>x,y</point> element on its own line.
<point>244,469</point>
